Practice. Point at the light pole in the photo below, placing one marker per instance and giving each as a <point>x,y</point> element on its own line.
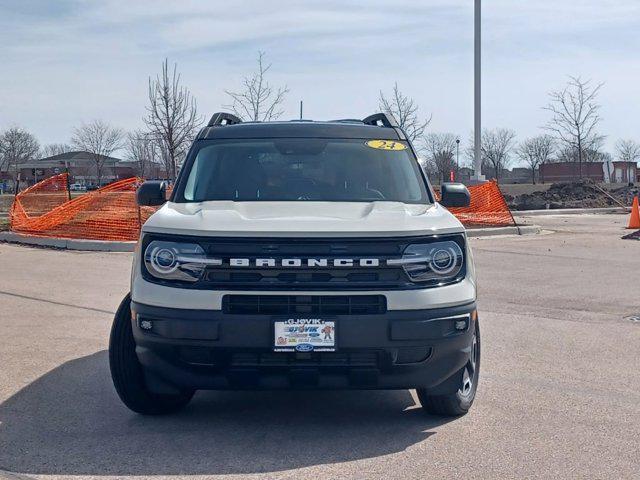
<point>477,123</point>
<point>457,155</point>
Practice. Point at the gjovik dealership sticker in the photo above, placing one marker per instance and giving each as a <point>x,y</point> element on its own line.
<point>386,145</point>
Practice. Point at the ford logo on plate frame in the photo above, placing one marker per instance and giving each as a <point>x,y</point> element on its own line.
<point>304,347</point>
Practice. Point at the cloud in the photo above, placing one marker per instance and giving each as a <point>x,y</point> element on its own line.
<point>72,60</point>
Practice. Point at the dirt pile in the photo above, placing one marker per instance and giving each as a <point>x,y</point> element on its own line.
<point>581,194</point>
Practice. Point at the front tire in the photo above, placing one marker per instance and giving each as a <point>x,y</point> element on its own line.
<point>127,373</point>
<point>459,402</point>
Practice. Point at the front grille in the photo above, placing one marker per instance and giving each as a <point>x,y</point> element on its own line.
<point>302,278</point>
<point>304,304</point>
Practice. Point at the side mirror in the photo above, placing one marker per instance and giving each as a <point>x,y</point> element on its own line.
<point>151,193</point>
<point>454,195</point>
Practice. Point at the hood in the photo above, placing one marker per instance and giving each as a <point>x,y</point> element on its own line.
<point>302,219</point>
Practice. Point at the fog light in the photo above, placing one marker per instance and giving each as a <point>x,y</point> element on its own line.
<point>461,324</point>
<point>146,324</point>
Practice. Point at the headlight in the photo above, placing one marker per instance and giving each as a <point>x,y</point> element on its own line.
<point>176,261</point>
<point>438,262</point>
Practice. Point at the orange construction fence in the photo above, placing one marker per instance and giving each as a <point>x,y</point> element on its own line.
<point>111,212</point>
<point>488,207</point>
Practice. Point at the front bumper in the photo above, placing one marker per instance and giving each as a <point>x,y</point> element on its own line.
<point>210,349</point>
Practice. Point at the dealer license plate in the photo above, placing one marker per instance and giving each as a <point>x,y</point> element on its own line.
<point>304,335</point>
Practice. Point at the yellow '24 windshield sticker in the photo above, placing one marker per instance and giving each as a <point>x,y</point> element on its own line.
<point>386,145</point>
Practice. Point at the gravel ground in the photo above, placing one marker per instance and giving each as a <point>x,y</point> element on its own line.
<point>559,394</point>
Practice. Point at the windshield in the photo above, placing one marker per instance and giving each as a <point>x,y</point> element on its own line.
<point>303,169</point>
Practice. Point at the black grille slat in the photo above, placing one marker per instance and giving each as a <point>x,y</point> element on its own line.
<point>304,304</point>
<point>286,277</point>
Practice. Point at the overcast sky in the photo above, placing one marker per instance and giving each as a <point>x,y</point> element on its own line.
<point>67,61</point>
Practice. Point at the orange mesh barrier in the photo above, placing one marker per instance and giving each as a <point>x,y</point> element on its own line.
<point>109,213</point>
<point>43,196</point>
<point>488,207</point>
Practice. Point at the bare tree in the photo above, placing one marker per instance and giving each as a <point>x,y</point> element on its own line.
<point>56,149</point>
<point>405,111</point>
<point>142,149</point>
<point>257,100</point>
<point>628,150</point>
<point>575,116</point>
<point>536,152</point>
<point>497,146</point>
<point>595,155</point>
<point>606,157</point>
<point>165,158</point>
<point>591,153</point>
<point>441,150</point>
<point>17,146</point>
<point>172,116</point>
<point>100,140</point>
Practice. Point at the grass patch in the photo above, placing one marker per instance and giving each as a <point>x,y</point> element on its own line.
<point>6,200</point>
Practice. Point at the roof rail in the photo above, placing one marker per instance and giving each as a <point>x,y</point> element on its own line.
<point>381,120</point>
<point>223,118</point>
<point>347,120</point>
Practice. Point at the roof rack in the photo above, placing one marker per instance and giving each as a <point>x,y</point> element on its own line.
<point>223,118</point>
<point>381,120</point>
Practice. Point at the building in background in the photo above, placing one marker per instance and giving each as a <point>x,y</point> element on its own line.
<point>6,182</point>
<point>82,169</point>
<point>623,172</point>
<point>80,165</point>
<point>517,175</point>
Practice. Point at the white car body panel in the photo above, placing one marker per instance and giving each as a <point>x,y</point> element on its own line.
<point>302,219</point>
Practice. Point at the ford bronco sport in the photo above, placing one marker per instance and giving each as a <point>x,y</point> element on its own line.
<point>299,255</point>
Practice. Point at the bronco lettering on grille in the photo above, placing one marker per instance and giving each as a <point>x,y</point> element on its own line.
<point>304,262</point>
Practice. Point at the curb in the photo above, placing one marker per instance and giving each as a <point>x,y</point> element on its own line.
<point>569,211</point>
<point>114,246</point>
<point>497,231</point>
<point>6,475</point>
<point>68,243</point>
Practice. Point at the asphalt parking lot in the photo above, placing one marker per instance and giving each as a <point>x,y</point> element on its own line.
<point>559,393</point>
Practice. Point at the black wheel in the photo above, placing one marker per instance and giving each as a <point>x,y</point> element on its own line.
<point>459,402</point>
<point>127,373</point>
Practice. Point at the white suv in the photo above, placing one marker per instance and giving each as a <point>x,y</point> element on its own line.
<point>299,255</point>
